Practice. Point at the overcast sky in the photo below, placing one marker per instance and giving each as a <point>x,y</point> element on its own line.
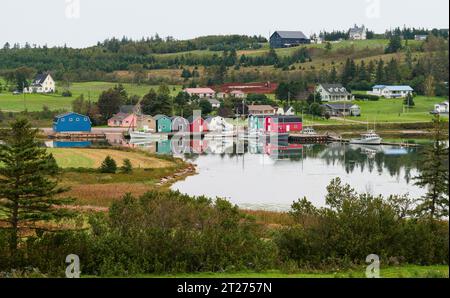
<point>80,23</point>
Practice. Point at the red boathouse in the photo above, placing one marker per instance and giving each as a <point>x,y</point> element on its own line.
<point>283,124</point>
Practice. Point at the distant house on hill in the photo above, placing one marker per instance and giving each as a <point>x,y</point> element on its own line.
<point>71,122</point>
<point>237,94</point>
<point>391,91</point>
<point>357,33</point>
<point>201,92</point>
<point>285,39</point>
<point>420,37</point>
<point>333,92</point>
<point>42,83</point>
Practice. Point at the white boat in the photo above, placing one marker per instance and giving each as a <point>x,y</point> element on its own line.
<point>368,138</point>
<point>309,131</point>
<point>147,135</point>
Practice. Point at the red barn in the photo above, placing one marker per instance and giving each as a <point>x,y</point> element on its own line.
<point>197,125</point>
<point>283,124</point>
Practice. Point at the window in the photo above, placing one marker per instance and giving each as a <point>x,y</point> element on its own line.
<point>77,119</point>
<point>85,119</point>
<point>62,119</point>
<point>70,119</point>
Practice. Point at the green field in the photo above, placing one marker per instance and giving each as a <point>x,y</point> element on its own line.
<point>409,271</point>
<point>90,90</point>
<point>393,111</point>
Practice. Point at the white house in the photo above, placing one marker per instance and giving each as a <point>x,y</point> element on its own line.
<point>441,108</point>
<point>218,124</point>
<point>420,37</point>
<point>358,33</point>
<point>237,94</point>
<point>201,92</point>
<point>333,92</point>
<point>391,91</point>
<point>42,83</point>
<point>289,111</point>
<point>214,103</point>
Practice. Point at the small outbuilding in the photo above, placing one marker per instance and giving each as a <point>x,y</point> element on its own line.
<point>163,123</point>
<point>197,124</point>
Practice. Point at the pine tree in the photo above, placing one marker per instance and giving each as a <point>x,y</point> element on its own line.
<point>434,175</point>
<point>108,165</point>
<point>127,167</point>
<point>28,184</point>
<point>379,76</point>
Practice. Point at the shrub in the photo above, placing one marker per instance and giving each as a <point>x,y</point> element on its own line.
<point>353,226</point>
<point>171,232</point>
<point>108,165</point>
<point>369,97</point>
<point>66,93</point>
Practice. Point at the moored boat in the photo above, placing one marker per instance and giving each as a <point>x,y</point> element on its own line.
<point>368,138</point>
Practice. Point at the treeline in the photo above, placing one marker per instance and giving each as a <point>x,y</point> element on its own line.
<point>158,45</point>
<point>410,33</point>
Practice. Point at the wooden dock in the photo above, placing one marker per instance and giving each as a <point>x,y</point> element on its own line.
<point>406,145</point>
<point>76,136</point>
<point>310,139</point>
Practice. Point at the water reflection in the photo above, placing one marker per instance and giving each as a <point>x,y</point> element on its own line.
<point>257,174</point>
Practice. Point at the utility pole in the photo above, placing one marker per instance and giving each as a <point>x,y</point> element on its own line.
<point>23,95</point>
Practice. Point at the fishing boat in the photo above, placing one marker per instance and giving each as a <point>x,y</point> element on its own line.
<point>368,138</point>
<point>309,131</point>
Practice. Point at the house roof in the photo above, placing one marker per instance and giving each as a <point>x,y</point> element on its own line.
<point>357,30</point>
<point>69,113</point>
<point>119,116</point>
<point>394,88</point>
<point>286,119</point>
<point>213,101</point>
<point>291,34</point>
<point>160,116</point>
<point>340,106</point>
<point>191,119</point>
<point>260,107</point>
<point>335,89</point>
<point>199,90</point>
<point>39,79</point>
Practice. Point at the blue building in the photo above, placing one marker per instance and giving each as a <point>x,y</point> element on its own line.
<point>72,122</point>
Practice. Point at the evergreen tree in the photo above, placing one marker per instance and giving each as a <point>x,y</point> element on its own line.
<point>333,75</point>
<point>395,44</point>
<point>127,167</point>
<point>108,165</point>
<point>409,100</point>
<point>28,184</point>
<point>379,75</point>
<point>434,175</point>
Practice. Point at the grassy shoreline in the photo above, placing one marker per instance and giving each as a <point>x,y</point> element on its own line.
<point>405,271</point>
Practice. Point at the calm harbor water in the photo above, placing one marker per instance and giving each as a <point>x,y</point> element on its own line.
<point>271,177</point>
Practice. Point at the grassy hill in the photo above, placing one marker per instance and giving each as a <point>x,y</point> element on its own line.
<point>91,90</point>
